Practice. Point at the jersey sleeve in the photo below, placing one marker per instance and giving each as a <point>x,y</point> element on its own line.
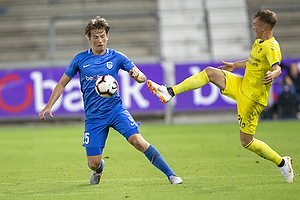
<point>72,69</point>
<point>126,63</point>
<point>273,53</point>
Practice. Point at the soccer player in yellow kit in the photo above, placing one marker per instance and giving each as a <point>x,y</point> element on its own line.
<point>251,92</point>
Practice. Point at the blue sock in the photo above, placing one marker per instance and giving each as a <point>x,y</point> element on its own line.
<point>100,168</point>
<point>158,161</point>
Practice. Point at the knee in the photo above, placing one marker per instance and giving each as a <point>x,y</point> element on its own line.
<point>94,163</point>
<point>246,141</point>
<point>94,166</point>
<point>209,71</point>
<point>138,142</point>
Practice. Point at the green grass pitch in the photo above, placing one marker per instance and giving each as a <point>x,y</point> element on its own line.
<point>45,162</point>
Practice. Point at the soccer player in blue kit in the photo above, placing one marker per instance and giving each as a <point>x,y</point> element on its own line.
<point>103,113</point>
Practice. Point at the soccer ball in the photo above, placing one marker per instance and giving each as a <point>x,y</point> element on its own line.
<point>106,86</point>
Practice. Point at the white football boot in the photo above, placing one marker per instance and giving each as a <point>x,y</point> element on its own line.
<point>96,176</point>
<point>160,90</point>
<point>287,169</point>
<point>175,179</point>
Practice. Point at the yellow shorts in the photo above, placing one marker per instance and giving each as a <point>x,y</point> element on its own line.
<point>248,110</point>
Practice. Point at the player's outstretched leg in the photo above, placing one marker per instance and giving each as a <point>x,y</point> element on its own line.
<point>287,169</point>
<point>96,175</point>
<point>160,90</point>
<point>158,161</point>
<point>191,83</point>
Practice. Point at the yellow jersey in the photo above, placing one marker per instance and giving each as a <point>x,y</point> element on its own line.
<point>263,56</point>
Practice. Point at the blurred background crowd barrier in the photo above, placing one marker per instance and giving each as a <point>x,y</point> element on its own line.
<point>167,39</point>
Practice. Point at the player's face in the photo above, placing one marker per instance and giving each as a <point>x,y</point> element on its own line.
<point>99,40</point>
<point>258,28</point>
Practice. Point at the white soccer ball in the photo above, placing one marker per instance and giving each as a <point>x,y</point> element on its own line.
<point>106,86</point>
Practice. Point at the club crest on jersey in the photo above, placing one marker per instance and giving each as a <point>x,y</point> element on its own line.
<point>109,65</point>
<point>259,50</point>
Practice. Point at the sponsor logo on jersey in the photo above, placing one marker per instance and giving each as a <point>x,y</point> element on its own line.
<point>91,78</point>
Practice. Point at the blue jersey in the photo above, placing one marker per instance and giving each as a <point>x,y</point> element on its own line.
<point>90,67</point>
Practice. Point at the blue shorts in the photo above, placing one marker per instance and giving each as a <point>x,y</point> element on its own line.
<point>96,130</point>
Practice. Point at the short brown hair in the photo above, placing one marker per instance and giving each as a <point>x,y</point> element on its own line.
<point>96,23</point>
<point>267,16</point>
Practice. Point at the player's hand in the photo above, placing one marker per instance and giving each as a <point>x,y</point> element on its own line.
<point>43,112</point>
<point>137,75</point>
<point>228,66</point>
<point>134,72</point>
<point>268,78</point>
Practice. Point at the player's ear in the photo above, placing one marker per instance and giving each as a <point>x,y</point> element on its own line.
<point>264,27</point>
<point>89,39</point>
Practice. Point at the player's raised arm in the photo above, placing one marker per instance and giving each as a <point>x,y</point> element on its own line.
<point>137,75</point>
<point>231,66</point>
<point>58,90</point>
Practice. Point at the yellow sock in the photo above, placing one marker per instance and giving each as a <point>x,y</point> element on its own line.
<point>263,150</point>
<point>191,83</point>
